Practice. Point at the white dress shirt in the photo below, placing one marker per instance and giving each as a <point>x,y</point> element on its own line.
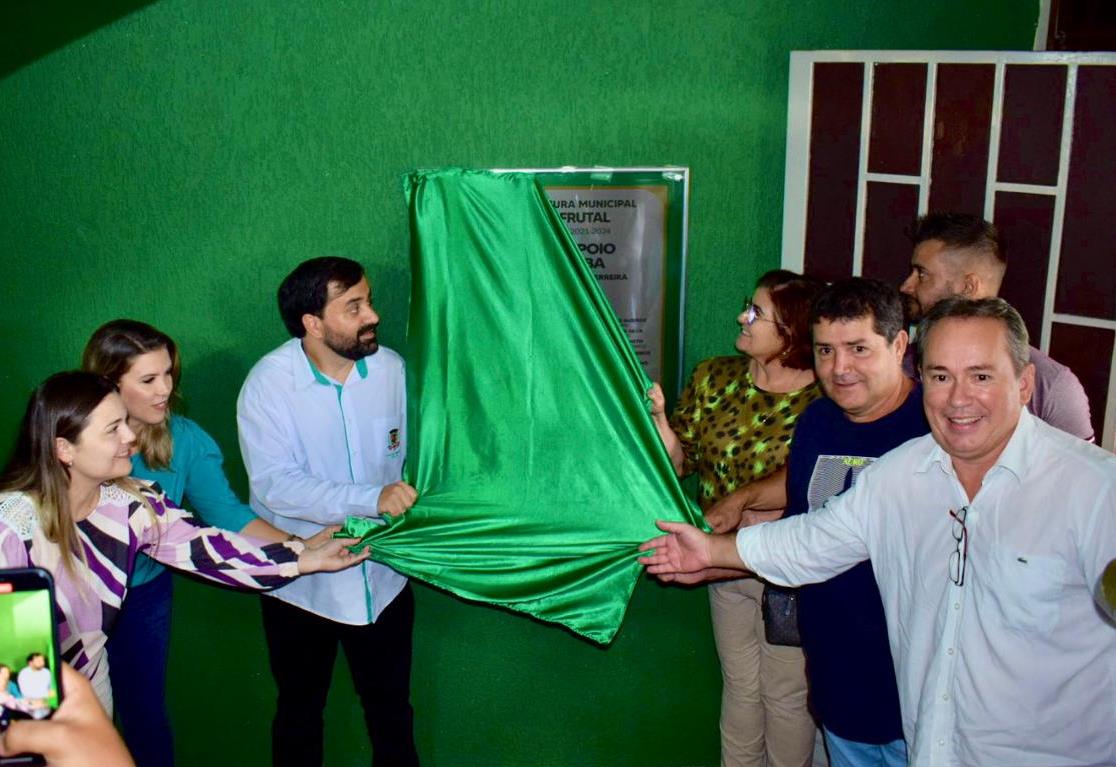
<point>1016,666</point>
<point>317,451</point>
<point>34,683</point>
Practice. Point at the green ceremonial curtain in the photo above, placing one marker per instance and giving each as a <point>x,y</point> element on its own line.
<point>537,466</point>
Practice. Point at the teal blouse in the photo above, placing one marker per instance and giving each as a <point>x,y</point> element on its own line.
<point>196,475</point>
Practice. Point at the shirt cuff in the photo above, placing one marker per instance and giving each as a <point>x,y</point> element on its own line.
<point>746,543</point>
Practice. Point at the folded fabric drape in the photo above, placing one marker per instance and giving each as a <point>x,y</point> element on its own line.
<point>538,468</point>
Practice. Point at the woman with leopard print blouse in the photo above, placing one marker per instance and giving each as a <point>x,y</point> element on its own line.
<point>733,425</point>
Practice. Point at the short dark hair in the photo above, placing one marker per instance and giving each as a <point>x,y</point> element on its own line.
<point>306,289</point>
<point>792,295</point>
<point>856,297</point>
<point>958,230</point>
<point>1018,342</point>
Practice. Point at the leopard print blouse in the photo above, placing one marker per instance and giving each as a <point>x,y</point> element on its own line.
<point>733,432</point>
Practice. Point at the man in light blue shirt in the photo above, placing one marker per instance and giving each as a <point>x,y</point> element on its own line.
<point>322,424</point>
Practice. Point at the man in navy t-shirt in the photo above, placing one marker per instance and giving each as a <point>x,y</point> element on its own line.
<point>872,407</point>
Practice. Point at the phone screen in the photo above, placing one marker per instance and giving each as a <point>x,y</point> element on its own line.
<point>29,675</point>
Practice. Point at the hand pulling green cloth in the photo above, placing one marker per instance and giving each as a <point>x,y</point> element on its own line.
<point>538,468</point>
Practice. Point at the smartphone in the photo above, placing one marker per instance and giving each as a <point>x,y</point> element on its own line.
<point>30,678</point>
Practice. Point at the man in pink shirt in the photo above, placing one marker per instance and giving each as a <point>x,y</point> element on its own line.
<point>960,254</point>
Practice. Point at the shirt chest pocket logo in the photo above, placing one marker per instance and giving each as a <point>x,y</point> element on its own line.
<point>394,445</point>
<point>1029,590</point>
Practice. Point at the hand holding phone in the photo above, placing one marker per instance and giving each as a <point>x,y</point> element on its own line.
<point>79,734</point>
<point>30,688</point>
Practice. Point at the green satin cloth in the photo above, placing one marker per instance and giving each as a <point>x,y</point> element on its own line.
<point>538,468</point>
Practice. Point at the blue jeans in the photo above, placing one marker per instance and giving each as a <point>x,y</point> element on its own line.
<point>137,651</point>
<point>849,753</point>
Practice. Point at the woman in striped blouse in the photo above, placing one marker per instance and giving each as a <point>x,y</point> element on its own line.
<point>70,508</point>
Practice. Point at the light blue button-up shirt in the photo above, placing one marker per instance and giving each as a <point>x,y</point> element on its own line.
<point>317,451</point>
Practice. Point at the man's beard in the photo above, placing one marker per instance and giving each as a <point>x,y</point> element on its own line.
<point>912,309</point>
<point>353,349</point>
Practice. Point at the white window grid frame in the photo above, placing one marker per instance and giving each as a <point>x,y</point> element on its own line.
<point>797,172</point>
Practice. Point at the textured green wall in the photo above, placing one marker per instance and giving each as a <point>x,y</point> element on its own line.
<point>173,165</point>
<point>26,618</point>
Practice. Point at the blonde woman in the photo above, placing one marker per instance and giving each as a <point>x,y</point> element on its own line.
<point>186,462</point>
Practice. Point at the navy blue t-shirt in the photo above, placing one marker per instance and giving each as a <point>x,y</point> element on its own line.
<point>841,621</point>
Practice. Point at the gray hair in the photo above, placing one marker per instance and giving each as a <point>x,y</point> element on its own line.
<point>991,308</point>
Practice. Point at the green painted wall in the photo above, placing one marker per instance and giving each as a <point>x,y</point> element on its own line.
<point>26,618</point>
<point>173,164</point>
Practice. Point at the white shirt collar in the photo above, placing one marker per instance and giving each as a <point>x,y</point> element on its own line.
<point>306,374</point>
<point>1014,458</point>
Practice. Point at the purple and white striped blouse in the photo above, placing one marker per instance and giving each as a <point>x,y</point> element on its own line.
<point>122,525</point>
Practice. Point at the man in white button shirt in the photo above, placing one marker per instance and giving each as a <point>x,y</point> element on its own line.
<point>322,424</point>
<point>987,571</point>
<point>35,682</point>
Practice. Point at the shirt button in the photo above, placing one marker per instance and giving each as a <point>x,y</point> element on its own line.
<point>949,651</point>
<point>956,605</point>
<point>941,742</point>
<point>946,696</point>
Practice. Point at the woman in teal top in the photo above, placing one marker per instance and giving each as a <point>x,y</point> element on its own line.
<point>187,463</point>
